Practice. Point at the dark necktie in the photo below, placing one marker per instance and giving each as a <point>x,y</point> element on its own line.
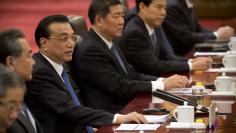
<point>72,94</point>
<point>27,116</point>
<point>154,40</point>
<point>117,56</point>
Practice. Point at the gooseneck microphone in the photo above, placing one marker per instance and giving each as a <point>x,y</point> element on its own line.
<point>177,100</point>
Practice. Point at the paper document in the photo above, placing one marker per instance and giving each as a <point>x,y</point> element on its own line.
<point>209,53</point>
<point>182,125</point>
<point>156,118</point>
<point>227,70</point>
<point>180,91</point>
<point>138,127</point>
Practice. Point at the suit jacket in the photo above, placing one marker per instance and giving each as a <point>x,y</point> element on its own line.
<point>182,28</point>
<point>103,83</point>
<point>138,49</point>
<point>22,125</point>
<point>53,106</point>
<point>166,50</point>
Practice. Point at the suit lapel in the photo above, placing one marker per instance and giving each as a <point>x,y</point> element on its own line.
<point>45,61</point>
<point>141,24</point>
<point>26,123</point>
<point>108,52</point>
<point>187,13</point>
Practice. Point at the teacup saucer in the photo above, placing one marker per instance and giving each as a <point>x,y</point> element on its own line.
<point>222,93</point>
<point>223,69</point>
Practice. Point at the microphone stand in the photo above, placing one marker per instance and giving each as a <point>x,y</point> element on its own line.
<point>177,100</point>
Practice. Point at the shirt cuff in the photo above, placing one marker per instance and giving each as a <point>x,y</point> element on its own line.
<point>216,34</point>
<point>190,65</point>
<point>158,84</point>
<point>115,118</point>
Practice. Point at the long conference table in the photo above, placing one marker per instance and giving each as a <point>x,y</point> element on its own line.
<point>225,120</point>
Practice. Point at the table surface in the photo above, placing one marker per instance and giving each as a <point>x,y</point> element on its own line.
<point>225,120</point>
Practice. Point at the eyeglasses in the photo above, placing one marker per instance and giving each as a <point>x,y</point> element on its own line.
<point>65,38</point>
<point>11,106</point>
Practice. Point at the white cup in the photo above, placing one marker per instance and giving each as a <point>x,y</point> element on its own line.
<point>233,38</point>
<point>229,60</point>
<point>223,83</point>
<point>184,114</point>
<point>232,45</point>
<point>224,106</point>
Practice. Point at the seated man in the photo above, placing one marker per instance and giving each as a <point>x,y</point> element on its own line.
<point>146,55</point>
<point>12,90</point>
<point>50,95</point>
<point>184,31</point>
<point>16,54</point>
<point>106,80</point>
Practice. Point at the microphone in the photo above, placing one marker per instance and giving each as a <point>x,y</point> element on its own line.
<point>177,100</point>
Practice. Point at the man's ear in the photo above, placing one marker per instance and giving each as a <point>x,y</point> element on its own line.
<point>98,20</point>
<point>10,62</point>
<point>43,43</point>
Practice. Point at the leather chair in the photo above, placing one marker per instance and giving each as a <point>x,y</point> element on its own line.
<point>78,24</point>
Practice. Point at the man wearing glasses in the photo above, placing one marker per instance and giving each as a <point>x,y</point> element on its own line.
<point>51,96</point>
<point>16,54</point>
<point>12,90</point>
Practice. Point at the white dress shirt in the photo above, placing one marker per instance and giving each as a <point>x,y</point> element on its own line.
<point>59,70</point>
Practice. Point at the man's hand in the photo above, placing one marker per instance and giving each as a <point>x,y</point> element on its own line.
<point>131,117</point>
<point>201,63</point>
<point>224,32</point>
<point>175,81</point>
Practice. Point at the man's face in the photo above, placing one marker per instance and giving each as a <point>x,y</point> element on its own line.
<point>112,24</point>
<point>10,107</point>
<point>60,44</point>
<point>155,13</point>
<point>23,64</point>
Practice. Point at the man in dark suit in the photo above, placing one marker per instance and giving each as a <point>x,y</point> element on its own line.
<point>16,54</point>
<point>51,96</point>
<point>107,81</point>
<point>183,30</point>
<point>12,90</point>
<point>147,55</point>
<point>166,51</point>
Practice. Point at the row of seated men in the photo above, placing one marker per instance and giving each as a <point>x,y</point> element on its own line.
<point>106,80</point>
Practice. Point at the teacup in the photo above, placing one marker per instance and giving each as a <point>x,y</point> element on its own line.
<point>229,60</point>
<point>233,38</point>
<point>223,83</point>
<point>232,45</point>
<point>224,106</point>
<point>184,114</point>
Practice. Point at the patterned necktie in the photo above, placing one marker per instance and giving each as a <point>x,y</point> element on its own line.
<point>27,116</point>
<point>117,56</point>
<point>73,95</point>
<point>154,40</point>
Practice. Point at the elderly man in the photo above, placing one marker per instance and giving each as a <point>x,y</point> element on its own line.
<point>12,90</point>
<point>16,54</point>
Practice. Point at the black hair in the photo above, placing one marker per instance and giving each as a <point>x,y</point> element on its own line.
<point>9,80</point>
<point>9,44</point>
<point>146,2</point>
<point>100,7</point>
<point>42,30</point>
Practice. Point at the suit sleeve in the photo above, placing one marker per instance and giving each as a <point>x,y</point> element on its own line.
<point>98,69</point>
<point>176,23</point>
<point>166,51</point>
<point>45,89</point>
<point>138,52</point>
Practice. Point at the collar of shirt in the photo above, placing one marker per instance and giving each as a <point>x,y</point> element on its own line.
<point>109,44</point>
<point>149,29</point>
<point>56,66</point>
<point>189,3</point>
